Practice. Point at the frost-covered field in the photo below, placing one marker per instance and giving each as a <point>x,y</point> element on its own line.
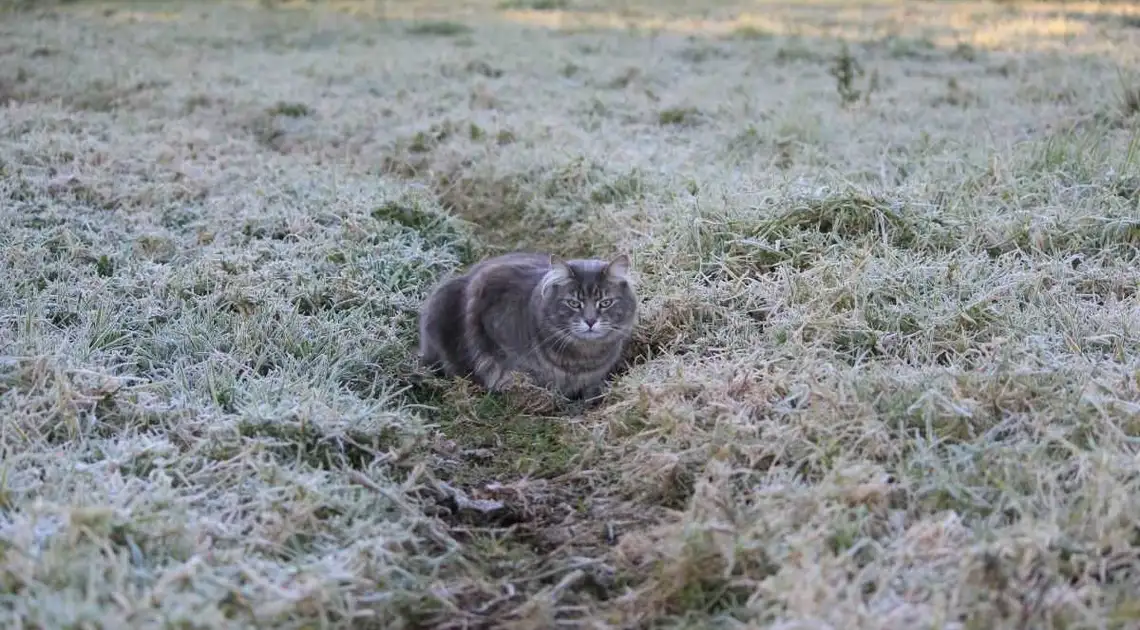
<point>887,373</point>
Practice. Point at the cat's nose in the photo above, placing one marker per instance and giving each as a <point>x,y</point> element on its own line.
<point>590,321</point>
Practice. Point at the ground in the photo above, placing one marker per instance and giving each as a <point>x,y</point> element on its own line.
<point>886,373</point>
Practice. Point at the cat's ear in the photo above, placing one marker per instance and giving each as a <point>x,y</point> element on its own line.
<point>558,262</point>
<point>559,268</point>
<point>618,268</point>
<point>559,273</point>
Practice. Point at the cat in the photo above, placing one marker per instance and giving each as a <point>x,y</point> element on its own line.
<point>564,323</point>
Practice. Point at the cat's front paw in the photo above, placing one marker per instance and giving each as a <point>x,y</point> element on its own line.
<point>491,376</point>
<point>510,380</point>
<point>499,384</point>
<point>590,393</point>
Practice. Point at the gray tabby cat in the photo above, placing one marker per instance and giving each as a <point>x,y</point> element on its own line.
<point>563,322</point>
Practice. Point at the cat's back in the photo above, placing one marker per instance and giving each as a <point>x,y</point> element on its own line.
<point>516,272</point>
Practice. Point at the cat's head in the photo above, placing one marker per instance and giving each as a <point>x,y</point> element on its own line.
<point>589,300</point>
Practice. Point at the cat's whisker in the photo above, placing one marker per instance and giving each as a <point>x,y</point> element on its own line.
<point>563,338</point>
<point>557,339</point>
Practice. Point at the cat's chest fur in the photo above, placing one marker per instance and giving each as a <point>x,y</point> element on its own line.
<point>573,377</point>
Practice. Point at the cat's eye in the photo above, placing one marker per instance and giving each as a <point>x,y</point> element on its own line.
<point>572,303</point>
<point>606,303</point>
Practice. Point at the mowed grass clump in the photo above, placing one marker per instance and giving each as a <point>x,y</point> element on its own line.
<point>885,374</point>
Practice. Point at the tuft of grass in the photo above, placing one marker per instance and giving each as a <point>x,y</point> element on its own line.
<point>535,5</point>
<point>1129,98</point>
<point>678,116</point>
<point>289,109</point>
<point>196,102</point>
<point>1130,104</point>
<point>796,50</point>
<point>624,187</point>
<point>438,28</point>
<point>965,51</point>
<point>104,266</point>
<point>702,53</point>
<point>751,32</point>
<point>484,69</point>
<point>847,71</point>
<point>504,137</point>
<point>427,140</point>
<point>955,95</point>
<point>746,143</point>
<point>624,80</point>
<point>921,48</point>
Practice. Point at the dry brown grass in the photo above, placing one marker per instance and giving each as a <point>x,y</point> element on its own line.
<point>887,373</point>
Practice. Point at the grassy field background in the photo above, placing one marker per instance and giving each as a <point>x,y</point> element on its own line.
<point>886,376</point>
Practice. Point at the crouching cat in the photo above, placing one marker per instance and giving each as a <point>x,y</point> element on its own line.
<point>565,323</point>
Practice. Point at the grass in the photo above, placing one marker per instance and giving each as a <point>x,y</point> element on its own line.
<point>443,28</point>
<point>535,5</point>
<point>885,376</point>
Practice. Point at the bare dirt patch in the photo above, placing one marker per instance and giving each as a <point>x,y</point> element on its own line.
<point>885,377</point>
